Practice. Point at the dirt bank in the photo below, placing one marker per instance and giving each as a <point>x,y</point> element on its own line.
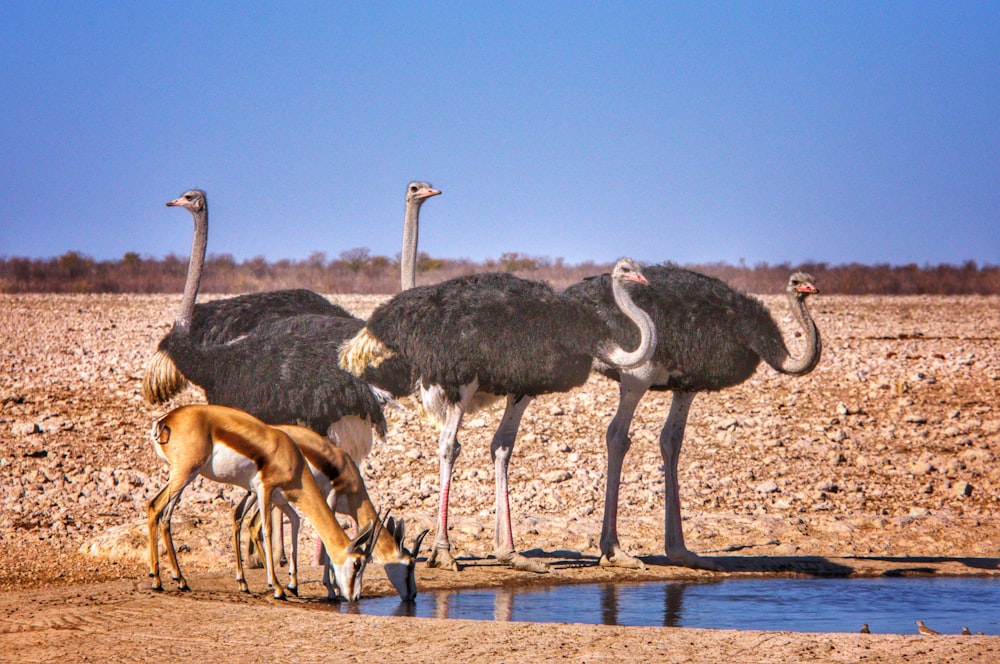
<point>885,458</point>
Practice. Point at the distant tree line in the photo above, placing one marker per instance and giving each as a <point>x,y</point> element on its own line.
<point>358,271</point>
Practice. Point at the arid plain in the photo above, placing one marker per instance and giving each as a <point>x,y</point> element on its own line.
<point>883,460</point>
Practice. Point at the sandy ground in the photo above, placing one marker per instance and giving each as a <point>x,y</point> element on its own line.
<point>883,461</point>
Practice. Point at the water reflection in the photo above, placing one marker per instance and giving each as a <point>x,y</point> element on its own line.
<point>820,605</point>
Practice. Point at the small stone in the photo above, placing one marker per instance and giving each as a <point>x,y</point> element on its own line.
<point>26,428</point>
<point>769,486</point>
<point>961,489</point>
<point>730,423</point>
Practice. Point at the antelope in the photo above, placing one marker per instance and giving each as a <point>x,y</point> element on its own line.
<point>339,478</point>
<point>232,447</point>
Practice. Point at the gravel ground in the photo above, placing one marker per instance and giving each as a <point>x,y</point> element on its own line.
<point>883,455</point>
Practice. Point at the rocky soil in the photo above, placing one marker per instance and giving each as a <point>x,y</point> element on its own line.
<point>884,458</point>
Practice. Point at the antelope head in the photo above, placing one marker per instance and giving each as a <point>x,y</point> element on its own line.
<point>349,574</point>
<point>400,569</point>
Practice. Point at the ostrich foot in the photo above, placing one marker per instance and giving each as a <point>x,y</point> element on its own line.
<point>523,563</point>
<point>619,558</point>
<point>686,558</point>
<point>441,557</point>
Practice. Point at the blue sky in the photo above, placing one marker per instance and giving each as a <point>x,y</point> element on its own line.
<point>696,132</point>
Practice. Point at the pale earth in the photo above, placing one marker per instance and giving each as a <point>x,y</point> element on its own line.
<point>883,460</point>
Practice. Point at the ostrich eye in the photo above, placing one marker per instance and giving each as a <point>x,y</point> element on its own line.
<point>413,189</point>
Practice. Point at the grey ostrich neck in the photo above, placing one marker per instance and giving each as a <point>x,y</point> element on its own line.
<point>814,346</point>
<point>408,258</point>
<point>616,355</point>
<point>195,266</point>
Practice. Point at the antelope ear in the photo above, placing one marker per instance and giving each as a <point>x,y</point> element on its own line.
<point>400,532</point>
<point>390,525</point>
<point>417,542</point>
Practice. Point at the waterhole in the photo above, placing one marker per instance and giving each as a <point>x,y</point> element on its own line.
<point>887,605</point>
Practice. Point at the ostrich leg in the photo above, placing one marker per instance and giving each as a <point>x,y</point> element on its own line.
<point>631,390</point>
<point>501,450</point>
<point>671,438</point>
<point>448,450</point>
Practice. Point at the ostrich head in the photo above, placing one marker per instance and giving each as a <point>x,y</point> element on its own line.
<point>627,269</point>
<point>418,192</point>
<point>194,201</point>
<point>801,284</point>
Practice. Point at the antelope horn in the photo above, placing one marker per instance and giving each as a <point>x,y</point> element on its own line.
<point>376,531</point>
<point>359,541</point>
<point>417,542</point>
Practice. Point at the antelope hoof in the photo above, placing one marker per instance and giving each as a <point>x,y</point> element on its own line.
<point>157,586</point>
<point>293,589</point>
<point>279,594</point>
<point>244,588</point>
<point>182,584</point>
<point>621,559</point>
<point>443,559</point>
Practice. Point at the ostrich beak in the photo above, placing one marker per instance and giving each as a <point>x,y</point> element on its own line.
<point>635,276</point>
<point>427,193</point>
<point>176,202</point>
<point>806,288</point>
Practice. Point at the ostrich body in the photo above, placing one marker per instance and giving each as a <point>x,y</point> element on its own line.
<point>484,336</point>
<point>709,337</point>
<point>222,321</point>
<point>285,378</point>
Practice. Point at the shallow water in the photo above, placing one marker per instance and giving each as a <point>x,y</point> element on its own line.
<point>888,605</point>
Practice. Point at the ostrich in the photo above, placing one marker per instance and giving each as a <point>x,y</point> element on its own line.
<point>479,337</point>
<point>221,321</point>
<point>709,337</point>
<point>280,379</point>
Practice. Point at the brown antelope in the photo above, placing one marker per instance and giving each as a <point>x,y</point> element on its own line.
<point>339,478</point>
<point>229,446</point>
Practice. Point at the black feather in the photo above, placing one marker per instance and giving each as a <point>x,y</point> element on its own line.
<point>708,335</point>
<point>513,335</point>
<point>281,373</point>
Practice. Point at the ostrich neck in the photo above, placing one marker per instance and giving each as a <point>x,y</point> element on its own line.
<point>810,356</point>
<point>408,257</point>
<point>195,265</point>
<point>618,356</point>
